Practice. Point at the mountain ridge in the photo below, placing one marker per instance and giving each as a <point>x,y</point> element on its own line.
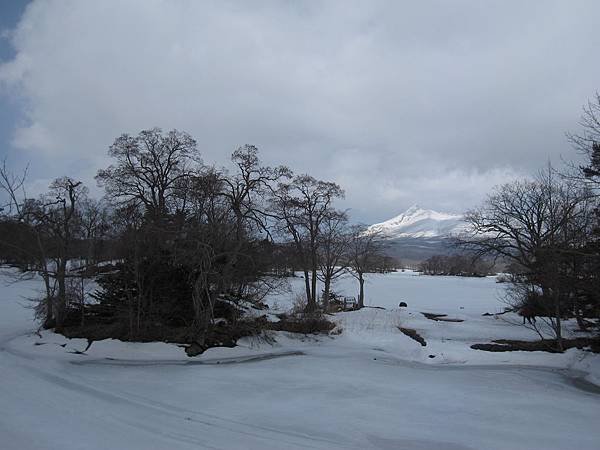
<point>418,223</point>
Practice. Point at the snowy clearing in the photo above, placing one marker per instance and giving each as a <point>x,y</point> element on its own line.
<point>369,387</point>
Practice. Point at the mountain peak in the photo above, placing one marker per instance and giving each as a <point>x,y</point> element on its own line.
<point>414,209</point>
<point>417,222</point>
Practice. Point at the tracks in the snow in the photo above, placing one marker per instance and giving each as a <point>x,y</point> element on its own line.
<point>191,362</point>
<point>183,424</point>
<point>182,418</point>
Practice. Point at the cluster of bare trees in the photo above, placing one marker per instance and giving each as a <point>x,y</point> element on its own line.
<point>547,229</point>
<point>175,240</point>
<point>326,246</point>
<point>44,234</point>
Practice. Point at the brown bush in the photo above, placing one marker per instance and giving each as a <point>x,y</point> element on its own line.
<point>303,323</point>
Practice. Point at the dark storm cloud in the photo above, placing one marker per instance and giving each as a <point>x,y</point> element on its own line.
<point>429,102</point>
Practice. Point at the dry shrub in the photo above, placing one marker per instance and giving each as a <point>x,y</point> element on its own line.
<point>299,304</point>
<point>299,321</point>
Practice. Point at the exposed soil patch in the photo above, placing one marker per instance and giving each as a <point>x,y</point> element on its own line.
<point>548,345</point>
<point>234,318</point>
<point>222,334</point>
<point>487,314</point>
<point>441,317</point>
<point>413,335</point>
<point>433,316</point>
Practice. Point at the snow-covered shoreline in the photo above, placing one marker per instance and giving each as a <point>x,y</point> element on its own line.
<point>369,386</point>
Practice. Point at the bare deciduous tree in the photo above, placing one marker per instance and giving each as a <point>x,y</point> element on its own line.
<point>302,207</point>
<point>56,217</point>
<point>245,194</point>
<point>149,169</point>
<point>332,251</point>
<point>53,222</point>
<point>534,224</point>
<point>364,254</point>
<point>586,141</point>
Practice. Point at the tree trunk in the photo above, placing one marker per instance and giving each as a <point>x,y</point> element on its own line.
<point>307,287</point>
<point>558,326</point>
<point>49,319</point>
<point>361,293</point>
<point>82,294</point>
<point>326,293</point>
<point>61,309</point>
<point>579,316</point>
<point>313,290</point>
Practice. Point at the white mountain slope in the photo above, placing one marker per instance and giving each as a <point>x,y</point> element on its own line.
<point>416,222</point>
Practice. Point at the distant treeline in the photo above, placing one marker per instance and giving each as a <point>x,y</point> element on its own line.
<point>463,265</point>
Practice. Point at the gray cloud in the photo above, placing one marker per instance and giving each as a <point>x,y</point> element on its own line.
<point>432,102</point>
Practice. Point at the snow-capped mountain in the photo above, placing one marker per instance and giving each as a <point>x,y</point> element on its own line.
<point>416,222</point>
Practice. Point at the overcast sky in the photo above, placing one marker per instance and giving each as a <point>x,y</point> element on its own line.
<point>430,102</point>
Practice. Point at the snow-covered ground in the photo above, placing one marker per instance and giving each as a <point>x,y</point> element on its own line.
<point>368,387</point>
<point>466,299</point>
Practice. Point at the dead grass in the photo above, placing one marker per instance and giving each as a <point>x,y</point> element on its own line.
<point>303,323</point>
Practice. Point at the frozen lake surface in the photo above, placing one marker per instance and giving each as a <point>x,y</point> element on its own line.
<point>369,387</point>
